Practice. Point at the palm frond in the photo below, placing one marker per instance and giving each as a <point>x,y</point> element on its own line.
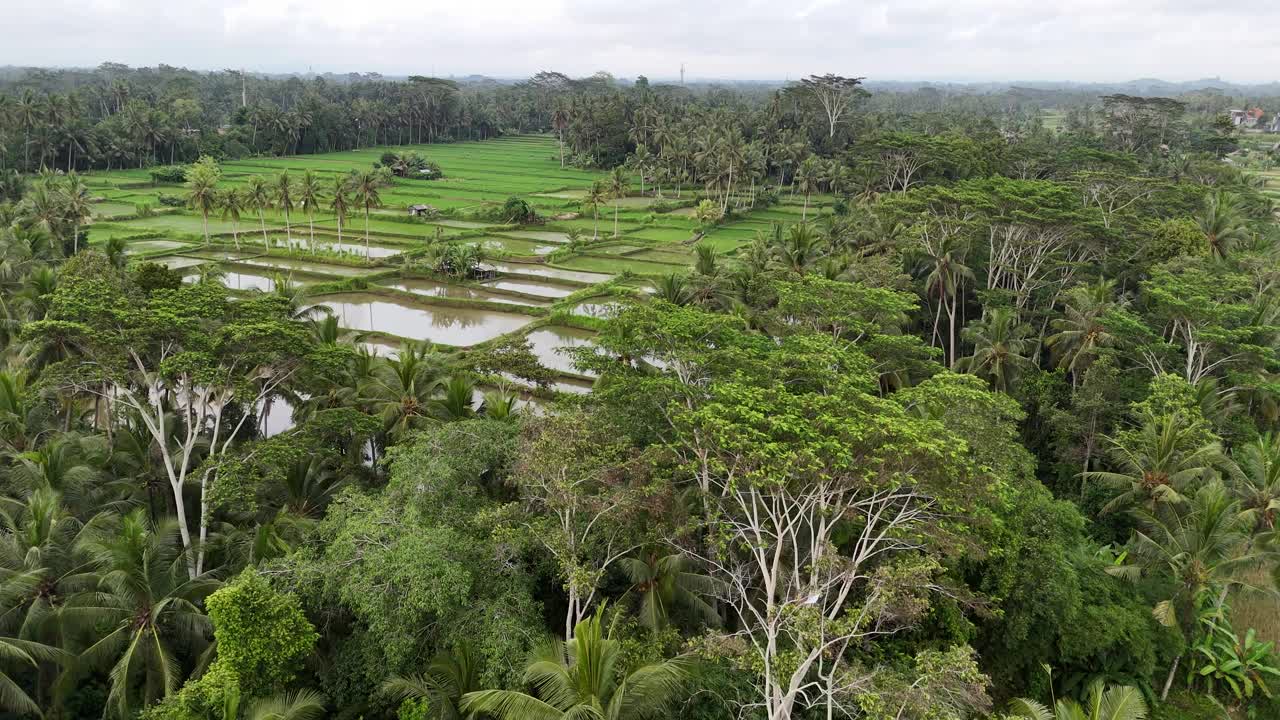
<point>302,705</point>
<point>509,705</point>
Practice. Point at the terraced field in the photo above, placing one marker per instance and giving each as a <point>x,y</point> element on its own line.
<point>365,271</point>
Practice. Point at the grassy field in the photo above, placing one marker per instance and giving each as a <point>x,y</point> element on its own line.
<point>477,175</point>
<point>1052,118</point>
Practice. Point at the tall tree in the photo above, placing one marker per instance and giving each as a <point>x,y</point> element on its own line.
<point>618,187</point>
<point>148,607</point>
<point>836,94</point>
<point>1000,347</point>
<point>258,197</point>
<point>202,189</point>
<point>310,195</point>
<point>364,188</point>
<point>340,201</point>
<point>76,207</point>
<point>284,192</point>
<point>232,202</point>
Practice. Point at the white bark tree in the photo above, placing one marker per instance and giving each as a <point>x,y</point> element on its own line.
<point>800,600</point>
<point>183,413</point>
<point>836,94</point>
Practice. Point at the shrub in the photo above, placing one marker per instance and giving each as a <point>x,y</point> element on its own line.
<point>410,165</point>
<point>262,634</point>
<point>151,276</point>
<point>169,174</point>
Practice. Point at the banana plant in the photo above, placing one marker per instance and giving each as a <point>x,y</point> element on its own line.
<point>1242,666</point>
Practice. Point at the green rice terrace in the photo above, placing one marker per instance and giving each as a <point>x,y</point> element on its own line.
<point>549,279</point>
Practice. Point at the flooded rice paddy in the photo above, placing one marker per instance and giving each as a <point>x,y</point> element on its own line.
<point>553,273</point>
<point>435,288</point>
<point>448,326</point>
<point>548,342</point>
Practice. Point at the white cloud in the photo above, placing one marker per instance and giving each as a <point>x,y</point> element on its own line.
<point>765,39</point>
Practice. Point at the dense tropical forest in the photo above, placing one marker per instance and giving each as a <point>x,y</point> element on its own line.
<point>913,404</point>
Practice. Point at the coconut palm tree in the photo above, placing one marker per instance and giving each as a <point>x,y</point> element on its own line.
<point>39,568</point>
<point>560,121</point>
<point>807,179</point>
<point>943,264</point>
<point>33,297</point>
<point>24,652</point>
<point>597,195</point>
<point>501,405</point>
<point>17,403</point>
<point>798,249</point>
<point>665,582</point>
<point>147,606</point>
<point>1203,551</point>
<point>258,197</point>
<point>617,188</point>
<point>70,463</point>
<point>116,249</point>
<point>1081,332</point>
<point>302,705</point>
<point>403,388</point>
<point>232,202</point>
<point>202,195</point>
<point>76,207</point>
<point>709,281</point>
<point>1156,464</point>
<point>340,202</point>
<point>1257,483</point>
<point>448,677</point>
<point>1000,347</point>
<point>364,187</point>
<point>284,196</point>
<point>43,209</point>
<point>307,486</point>
<point>577,679</point>
<point>674,288</point>
<point>28,111</point>
<point>325,330</point>
<point>1222,223</point>
<point>456,401</point>
<point>1102,703</point>
<point>310,195</point>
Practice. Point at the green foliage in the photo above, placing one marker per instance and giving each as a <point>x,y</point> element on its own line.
<point>1174,238</point>
<point>171,174</point>
<point>150,277</point>
<point>262,635</point>
<point>928,395</point>
<point>428,538</point>
<point>1237,667</point>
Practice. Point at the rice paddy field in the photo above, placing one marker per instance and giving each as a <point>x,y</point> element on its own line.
<point>364,272</point>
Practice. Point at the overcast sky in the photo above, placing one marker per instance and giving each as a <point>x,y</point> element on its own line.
<point>1089,40</point>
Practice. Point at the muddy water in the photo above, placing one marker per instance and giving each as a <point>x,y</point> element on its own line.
<point>347,248</point>
<point>572,385</point>
<point>532,287</point>
<point>174,262</point>
<point>449,326</point>
<point>242,281</point>
<point>554,273</point>
<point>547,341</point>
<point>433,288</point>
<point>307,266</point>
